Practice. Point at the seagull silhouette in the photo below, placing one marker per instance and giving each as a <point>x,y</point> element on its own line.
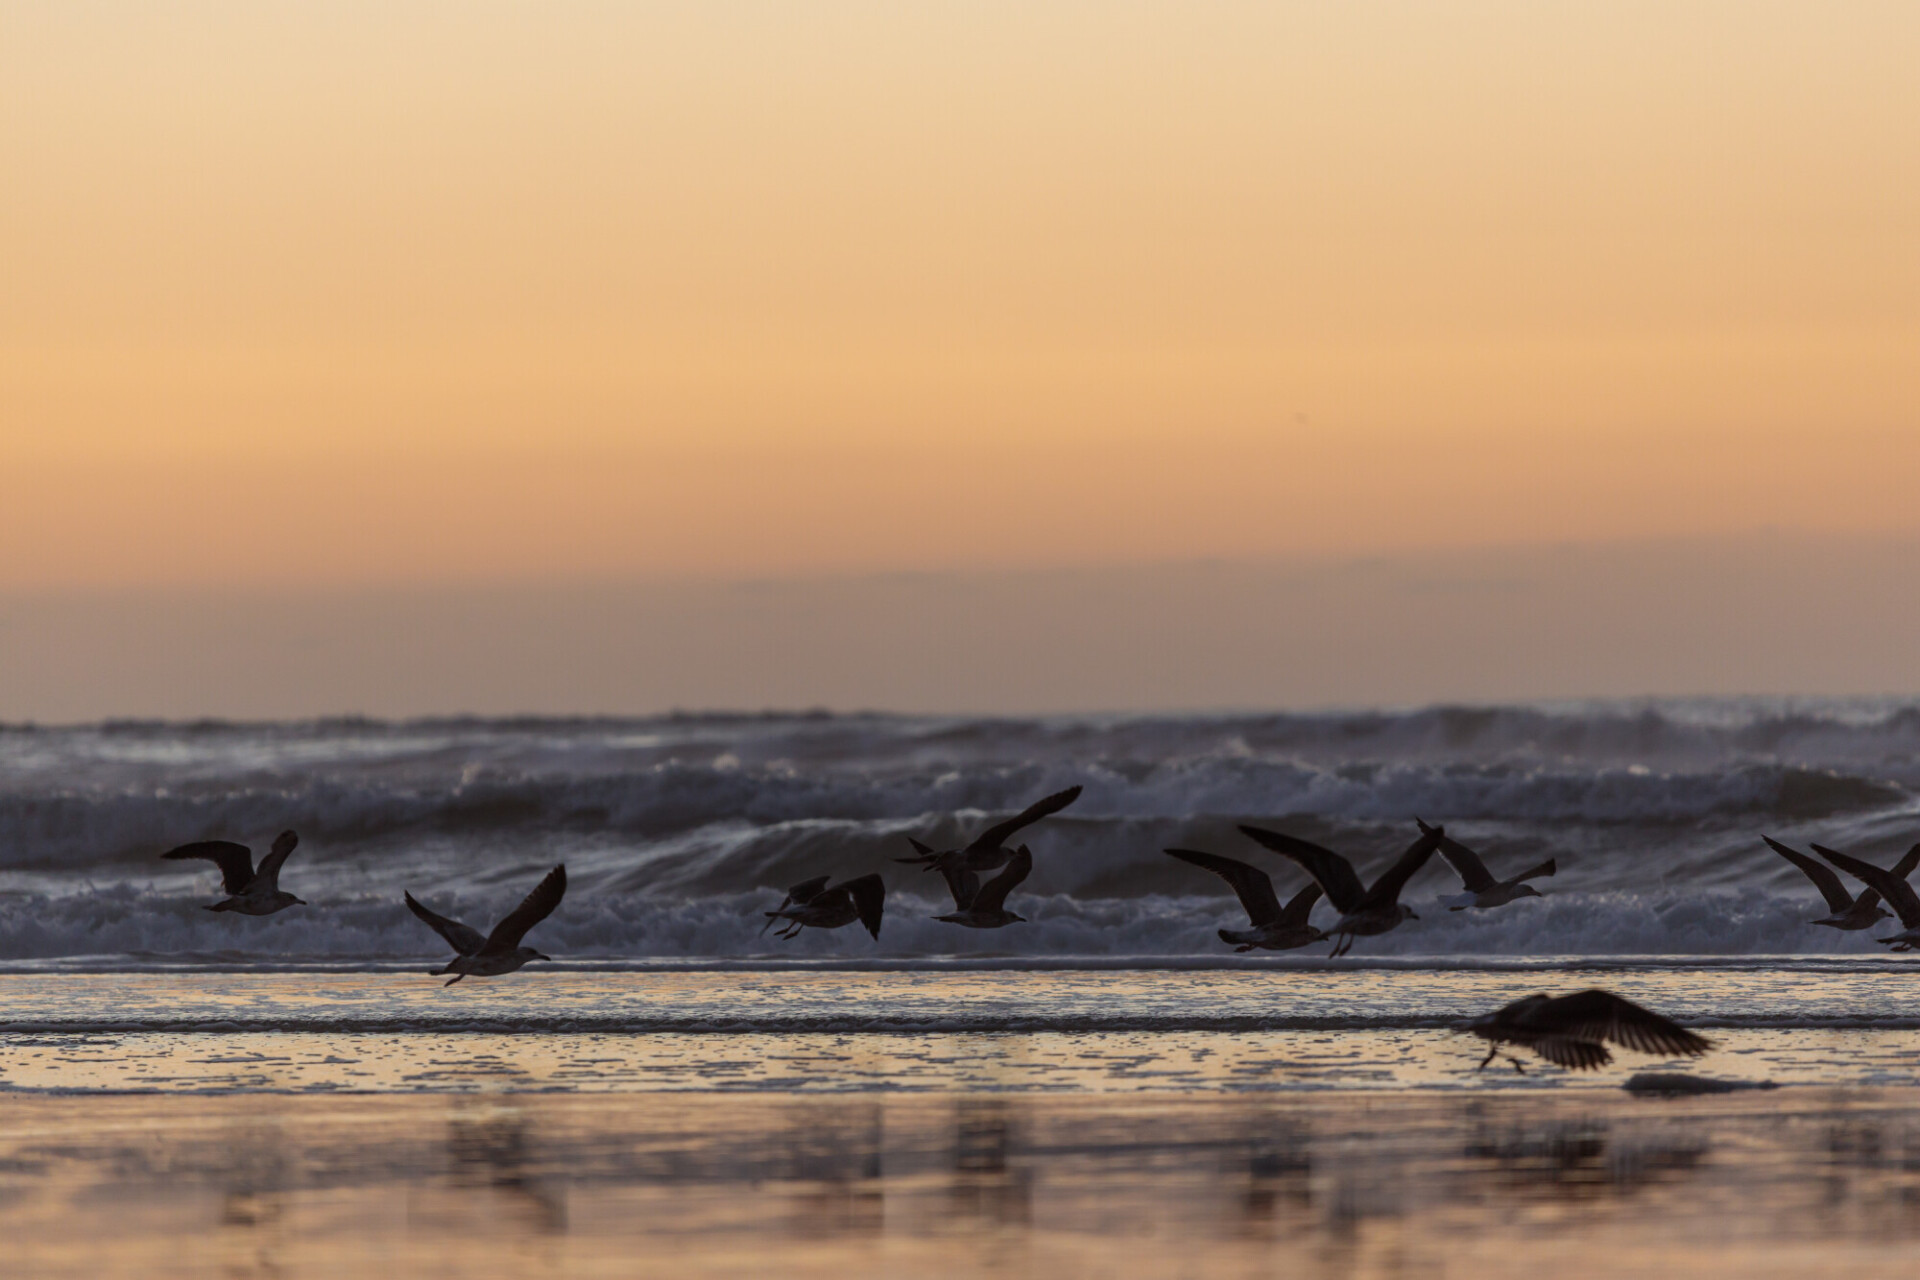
<point>1482,890</point>
<point>811,902</point>
<point>1572,1031</point>
<point>988,849</point>
<point>1363,911</point>
<point>1275,928</point>
<point>1894,888</point>
<point>500,951</point>
<point>1846,911</point>
<point>985,907</point>
<point>250,892</point>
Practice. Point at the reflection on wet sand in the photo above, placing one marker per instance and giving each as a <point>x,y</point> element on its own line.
<point>834,1165</point>
<point>989,1185</point>
<point>1355,1184</point>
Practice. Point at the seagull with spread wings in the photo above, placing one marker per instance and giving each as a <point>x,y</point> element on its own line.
<point>1846,912</point>
<point>250,891</point>
<point>500,951</point>
<point>1573,1031</point>
<point>1482,890</point>
<point>1275,928</point>
<point>812,902</point>
<point>1363,911</point>
<point>985,906</point>
<point>1894,888</point>
<point>988,850</point>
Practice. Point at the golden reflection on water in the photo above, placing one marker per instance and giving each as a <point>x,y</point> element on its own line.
<point>1335,1184</point>
<point>811,1063</point>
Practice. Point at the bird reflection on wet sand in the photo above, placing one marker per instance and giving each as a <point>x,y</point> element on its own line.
<point>492,1168</point>
<point>833,1160</point>
<point>1333,1184</point>
<point>990,1181</point>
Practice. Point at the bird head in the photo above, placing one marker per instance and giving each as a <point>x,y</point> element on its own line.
<point>1014,919</point>
<point>1527,891</point>
<point>1408,913</point>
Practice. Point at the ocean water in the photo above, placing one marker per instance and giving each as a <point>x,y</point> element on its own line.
<point>677,832</point>
<point>1106,1090</point>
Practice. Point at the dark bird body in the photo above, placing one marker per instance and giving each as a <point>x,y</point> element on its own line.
<point>500,951</point>
<point>984,906</point>
<point>1482,890</point>
<point>988,850</point>
<point>1364,911</point>
<point>1573,1031</point>
<point>1894,888</point>
<point>1275,928</point>
<point>251,892</point>
<point>1845,912</point>
<point>812,903</point>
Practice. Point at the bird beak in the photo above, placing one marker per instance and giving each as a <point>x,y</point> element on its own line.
<point>538,956</point>
<point>1412,914</point>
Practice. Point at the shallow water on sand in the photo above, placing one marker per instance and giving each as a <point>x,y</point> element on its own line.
<point>1278,1121</point>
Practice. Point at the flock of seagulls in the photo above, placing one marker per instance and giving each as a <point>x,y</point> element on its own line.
<point>256,892</point>
<point>1571,1031</point>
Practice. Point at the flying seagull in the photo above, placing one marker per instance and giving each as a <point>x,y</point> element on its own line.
<point>1848,913</point>
<point>250,892</point>
<point>985,907</point>
<point>1275,928</point>
<point>988,849</point>
<point>1363,911</point>
<point>1572,1031</point>
<point>811,902</point>
<point>500,951</point>
<point>1894,888</point>
<point>1482,890</point>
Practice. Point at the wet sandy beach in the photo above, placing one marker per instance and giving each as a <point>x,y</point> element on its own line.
<point>1233,1122</point>
<point>1417,1183</point>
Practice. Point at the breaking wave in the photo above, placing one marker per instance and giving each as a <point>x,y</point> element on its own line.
<point>678,831</point>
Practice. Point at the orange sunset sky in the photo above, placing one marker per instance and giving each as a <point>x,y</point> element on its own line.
<point>455,293</point>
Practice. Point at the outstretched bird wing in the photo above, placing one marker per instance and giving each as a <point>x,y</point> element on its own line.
<point>1838,899</point>
<point>1473,872</point>
<point>268,876</point>
<point>1908,861</point>
<point>1386,889</point>
<point>996,835</point>
<point>1251,885</point>
<point>1895,889</point>
<point>925,856</point>
<point>1546,868</point>
<point>806,891</point>
<point>533,908</point>
<point>1572,1053</point>
<point>993,894</point>
<point>869,894</point>
<point>1334,873</point>
<point>1300,906</point>
<point>1903,869</point>
<point>463,938</point>
<point>963,884</point>
<point>234,860</point>
<point>1601,1015</point>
